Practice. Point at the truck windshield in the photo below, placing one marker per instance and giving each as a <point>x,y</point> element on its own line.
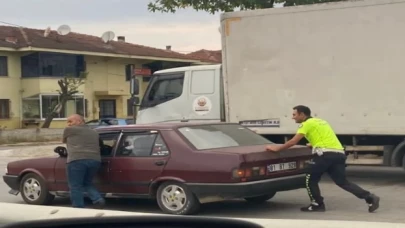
<point>221,135</point>
<point>163,88</point>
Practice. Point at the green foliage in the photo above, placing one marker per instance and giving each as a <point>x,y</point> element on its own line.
<point>214,6</point>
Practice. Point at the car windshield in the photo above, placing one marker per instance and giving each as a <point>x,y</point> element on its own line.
<point>221,135</point>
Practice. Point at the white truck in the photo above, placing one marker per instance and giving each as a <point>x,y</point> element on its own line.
<point>344,60</point>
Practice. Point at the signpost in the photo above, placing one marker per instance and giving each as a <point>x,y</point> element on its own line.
<point>134,87</point>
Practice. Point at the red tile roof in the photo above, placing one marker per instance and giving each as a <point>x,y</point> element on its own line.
<point>207,55</point>
<point>28,37</point>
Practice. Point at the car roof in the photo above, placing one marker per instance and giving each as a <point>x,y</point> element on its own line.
<point>159,126</point>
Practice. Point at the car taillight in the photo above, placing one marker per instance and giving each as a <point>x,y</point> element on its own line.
<point>249,172</point>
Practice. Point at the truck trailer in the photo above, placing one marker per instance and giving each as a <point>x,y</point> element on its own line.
<point>345,60</point>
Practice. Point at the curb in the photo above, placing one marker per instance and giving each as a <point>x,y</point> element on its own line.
<point>10,213</point>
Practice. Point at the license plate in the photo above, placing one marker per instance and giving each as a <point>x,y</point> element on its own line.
<point>281,166</point>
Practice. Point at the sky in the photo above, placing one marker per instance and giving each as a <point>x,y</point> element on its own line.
<point>186,31</point>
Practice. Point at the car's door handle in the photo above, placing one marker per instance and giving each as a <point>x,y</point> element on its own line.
<point>105,162</point>
<point>160,163</point>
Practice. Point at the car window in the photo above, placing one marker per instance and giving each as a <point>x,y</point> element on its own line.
<point>113,122</point>
<point>92,122</point>
<point>142,145</point>
<point>129,121</point>
<point>107,143</point>
<point>104,122</point>
<point>221,135</point>
<point>160,147</point>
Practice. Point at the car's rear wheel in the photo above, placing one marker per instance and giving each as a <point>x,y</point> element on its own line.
<point>34,190</point>
<point>260,199</point>
<point>175,198</point>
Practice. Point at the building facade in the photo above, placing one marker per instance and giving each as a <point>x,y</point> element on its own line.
<point>31,65</point>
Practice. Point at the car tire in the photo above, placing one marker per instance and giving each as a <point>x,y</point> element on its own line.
<point>260,199</point>
<point>168,194</point>
<point>32,194</point>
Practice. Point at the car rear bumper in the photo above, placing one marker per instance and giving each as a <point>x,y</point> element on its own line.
<point>11,181</point>
<point>211,192</point>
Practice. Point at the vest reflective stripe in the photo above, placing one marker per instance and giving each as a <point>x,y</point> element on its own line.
<point>323,150</point>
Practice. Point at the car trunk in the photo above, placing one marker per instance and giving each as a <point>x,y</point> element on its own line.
<point>258,163</point>
<point>253,154</point>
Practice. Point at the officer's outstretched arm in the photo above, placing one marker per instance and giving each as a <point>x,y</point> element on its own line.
<point>292,142</point>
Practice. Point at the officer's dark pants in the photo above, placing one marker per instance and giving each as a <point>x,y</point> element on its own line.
<point>335,165</point>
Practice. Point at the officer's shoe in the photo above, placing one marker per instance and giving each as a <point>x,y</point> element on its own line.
<point>373,202</point>
<point>314,207</point>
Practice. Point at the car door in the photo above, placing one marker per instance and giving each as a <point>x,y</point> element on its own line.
<point>140,158</point>
<point>108,142</point>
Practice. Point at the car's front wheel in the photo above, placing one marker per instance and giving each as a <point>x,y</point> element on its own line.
<point>34,190</point>
<point>175,198</point>
<point>260,199</point>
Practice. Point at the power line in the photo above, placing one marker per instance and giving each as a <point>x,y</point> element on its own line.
<point>7,23</point>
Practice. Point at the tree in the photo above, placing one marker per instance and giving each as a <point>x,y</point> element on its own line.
<point>213,6</point>
<point>69,86</point>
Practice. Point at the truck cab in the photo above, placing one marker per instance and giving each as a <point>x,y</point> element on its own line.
<point>183,94</point>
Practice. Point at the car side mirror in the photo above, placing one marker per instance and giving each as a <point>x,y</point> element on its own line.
<point>61,150</point>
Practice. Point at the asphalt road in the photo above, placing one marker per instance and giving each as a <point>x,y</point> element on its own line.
<point>388,183</point>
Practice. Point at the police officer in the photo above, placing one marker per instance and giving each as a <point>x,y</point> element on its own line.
<point>329,156</point>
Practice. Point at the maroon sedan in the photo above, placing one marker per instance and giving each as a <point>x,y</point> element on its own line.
<point>181,165</point>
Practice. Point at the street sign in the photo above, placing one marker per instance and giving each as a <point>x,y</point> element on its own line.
<point>142,72</point>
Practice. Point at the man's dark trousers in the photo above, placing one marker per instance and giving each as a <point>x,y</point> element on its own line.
<point>334,164</point>
<point>80,178</point>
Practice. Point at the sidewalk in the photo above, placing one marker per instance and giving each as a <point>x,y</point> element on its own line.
<point>30,144</point>
<point>27,150</point>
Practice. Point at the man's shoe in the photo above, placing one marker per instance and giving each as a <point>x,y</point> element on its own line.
<point>314,207</point>
<point>373,203</point>
<point>99,204</point>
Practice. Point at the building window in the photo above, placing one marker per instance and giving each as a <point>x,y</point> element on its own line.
<point>4,108</point>
<point>3,66</point>
<point>31,108</point>
<point>128,71</point>
<point>107,108</point>
<point>40,106</point>
<point>44,64</point>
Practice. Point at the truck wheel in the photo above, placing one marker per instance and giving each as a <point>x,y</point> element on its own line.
<point>403,162</point>
<point>34,190</point>
<point>260,199</point>
<point>397,154</point>
<point>175,198</point>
